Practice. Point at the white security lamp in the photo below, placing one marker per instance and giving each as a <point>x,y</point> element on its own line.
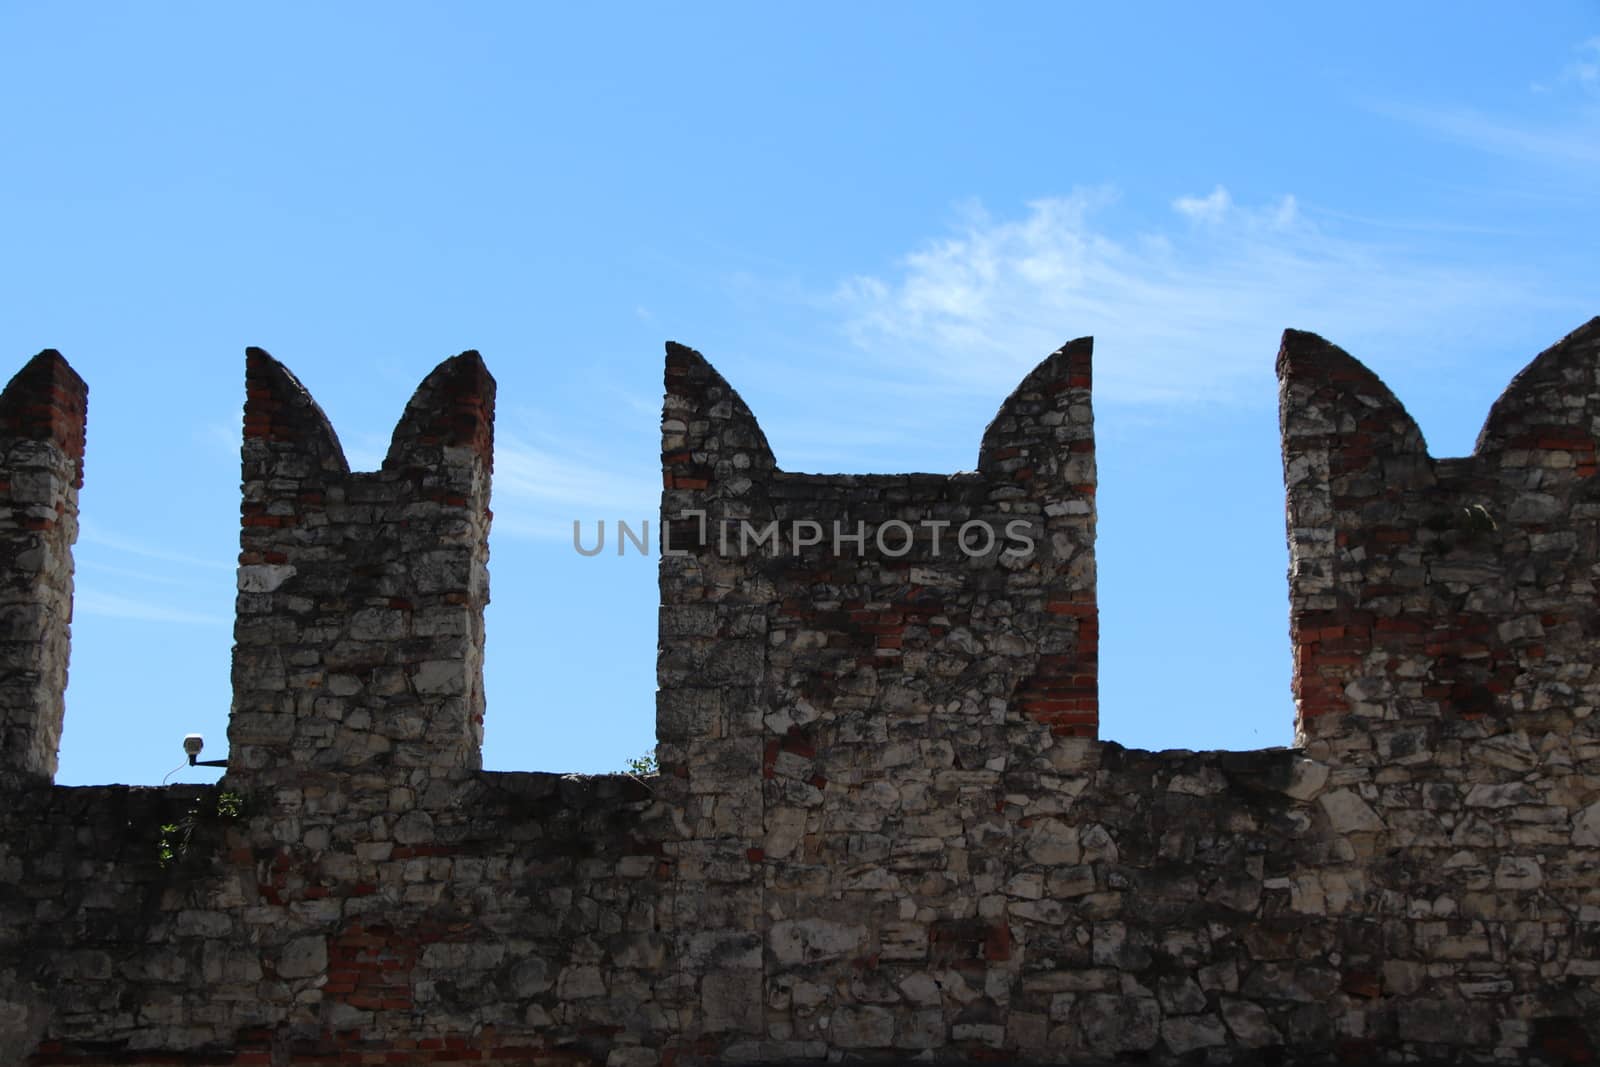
<point>192,744</point>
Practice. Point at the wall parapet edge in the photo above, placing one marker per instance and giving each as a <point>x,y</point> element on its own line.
<point>359,626</point>
<point>43,411</point>
<point>884,827</point>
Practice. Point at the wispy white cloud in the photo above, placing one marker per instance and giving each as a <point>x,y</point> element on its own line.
<point>90,598</point>
<point>1183,311</point>
<point>1421,225</point>
<point>1568,142</point>
<point>1212,208</point>
<point>135,574</point>
<point>1584,72</point>
<point>95,602</point>
<point>539,490</point>
<point>1560,128</point>
<point>94,535</point>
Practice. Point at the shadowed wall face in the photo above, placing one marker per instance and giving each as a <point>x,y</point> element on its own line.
<point>846,594</point>
<point>849,660</point>
<point>793,603</point>
<point>359,634</point>
<point>1427,591</point>
<point>42,416</point>
<point>883,828</point>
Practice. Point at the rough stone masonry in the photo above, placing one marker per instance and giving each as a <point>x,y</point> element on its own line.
<point>883,828</point>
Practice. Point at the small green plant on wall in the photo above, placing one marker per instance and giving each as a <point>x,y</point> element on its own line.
<point>175,836</point>
<point>644,765</point>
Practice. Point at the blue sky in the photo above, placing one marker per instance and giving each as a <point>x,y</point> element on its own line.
<point>874,219</point>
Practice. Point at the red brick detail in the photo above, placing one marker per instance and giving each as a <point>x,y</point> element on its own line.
<point>1064,690</point>
<point>958,941</point>
<point>1563,1040</point>
<point>47,401</point>
<point>997,942</point>
<point>370,966</point>
<point>1362,984</point>
<point>278,408</point>
<point>454,406</point>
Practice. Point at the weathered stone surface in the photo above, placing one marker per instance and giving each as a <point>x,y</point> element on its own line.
<point>883,828</point>
<point>303,957</point>
<point>812,940</point>
<point>1114,1024</point>
<point>1185,1034</point>
<point>1052,843</point>
<point>1348,813</point>
<point>864,1027</point>
<point>43,411</point>
<point>731,1002</point>
<point>1249,1024</point>
<point>1307,779</point>
<point>361,594</point>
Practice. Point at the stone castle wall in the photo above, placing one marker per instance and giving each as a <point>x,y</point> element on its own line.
<point>359,623</point>
<point>42,416</point>
<point>883,826</point>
